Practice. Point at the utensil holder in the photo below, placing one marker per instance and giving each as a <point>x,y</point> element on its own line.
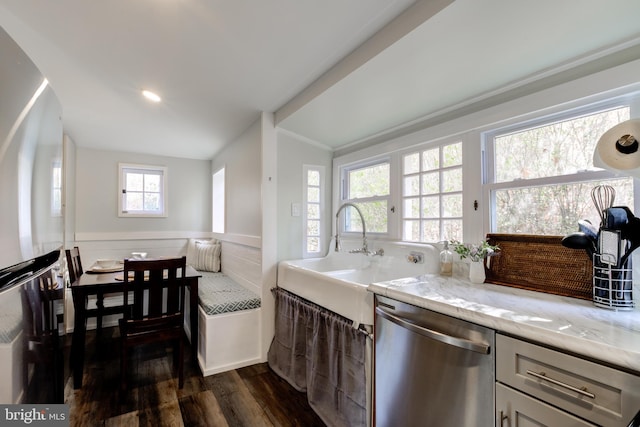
<point>612,285</point>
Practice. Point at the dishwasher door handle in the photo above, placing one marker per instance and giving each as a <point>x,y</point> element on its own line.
<point>435,335</point>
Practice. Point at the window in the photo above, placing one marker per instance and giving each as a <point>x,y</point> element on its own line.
<point>218,202</point>
<point>539,177</point>
<point>143,191</point>
<point>432,194</point>
<point>369,188</point>
<point>56,189</point>
<point>313,202</point>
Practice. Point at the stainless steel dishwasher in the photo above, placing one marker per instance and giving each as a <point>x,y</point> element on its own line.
<point>431,369</point>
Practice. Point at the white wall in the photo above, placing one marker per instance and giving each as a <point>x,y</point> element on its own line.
<point>293,153</point>
<point>96,196</point>
<point>242,162</point>
<point>243,255</point>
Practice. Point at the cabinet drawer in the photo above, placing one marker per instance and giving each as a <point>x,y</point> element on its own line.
<point>517,409</point>
<point>601,394</point>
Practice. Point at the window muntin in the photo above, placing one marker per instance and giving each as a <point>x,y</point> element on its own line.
<point>368,187</point>
<point>143,191</point>
<point>313,205</point>
<point>543,175</point>
<point>432,194</point>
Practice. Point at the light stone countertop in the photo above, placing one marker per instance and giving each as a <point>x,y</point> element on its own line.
<point>569,324</point>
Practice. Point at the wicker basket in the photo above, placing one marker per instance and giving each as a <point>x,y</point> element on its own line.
<point>540,263</point>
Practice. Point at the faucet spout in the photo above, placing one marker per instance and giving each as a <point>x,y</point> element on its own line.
<point>365,248</point>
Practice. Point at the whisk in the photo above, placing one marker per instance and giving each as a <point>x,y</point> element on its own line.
<point>603,197</point>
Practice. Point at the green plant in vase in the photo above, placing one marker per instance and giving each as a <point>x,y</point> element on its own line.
<point>476,253</point>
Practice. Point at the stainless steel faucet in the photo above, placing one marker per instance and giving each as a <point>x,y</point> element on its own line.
<point>365,248</point>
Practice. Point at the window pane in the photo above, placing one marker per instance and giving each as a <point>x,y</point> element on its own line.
<point>411,163</point>
<point>553,209</point>
<point>431,207</point>
<point>452,229</point>
<point>134,182</point>
<point>431,183</point>
<point>313,211</point>
<point>313,244</point>
<point>557,149</point>
<point>152,183</point>
<point>151,201</point>
<point>133,201</point>
<point>431,159</point>
<point>313,228</point>
<point>313,195</point>
<point>452,155</point>
<point>431,231</point>
<point>375,214</point>
<point>411,185</point>
<point>411,231</point>
<point>452,180</point>
<point>369,182</point>
<point>313,178</point>
<point>452,206</point>
<point>411,208</point>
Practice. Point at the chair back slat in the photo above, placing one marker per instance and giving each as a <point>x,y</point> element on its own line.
<point>156,288</point>
<point>74,264</point>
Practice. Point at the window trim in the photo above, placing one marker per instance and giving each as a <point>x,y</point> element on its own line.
<point>124,168</point>
<point>322,203</point>
<point>343,190</point>
<point>489,187</point>
<point>419,148</point>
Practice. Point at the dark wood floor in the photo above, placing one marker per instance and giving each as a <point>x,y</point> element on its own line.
<point>251,396</point>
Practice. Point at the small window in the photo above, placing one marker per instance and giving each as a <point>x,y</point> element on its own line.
<point>143,191</point>
<point>56,189</point>
<point>313,205</point>
<point>432,194</point>
<point>368,187</point>
<point>218,202</point>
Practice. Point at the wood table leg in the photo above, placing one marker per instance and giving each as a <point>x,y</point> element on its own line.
<point>78,340</point>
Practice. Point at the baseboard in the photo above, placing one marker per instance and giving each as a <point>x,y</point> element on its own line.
<point>228,367</point>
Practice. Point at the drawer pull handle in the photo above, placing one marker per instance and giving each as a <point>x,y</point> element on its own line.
<point>542,376</point>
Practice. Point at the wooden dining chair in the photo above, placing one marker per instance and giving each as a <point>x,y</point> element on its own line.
<point>74,266</point>
<point>154,302</point>
<point>42,355</point>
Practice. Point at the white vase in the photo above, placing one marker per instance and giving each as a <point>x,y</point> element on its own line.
<point>476,271</point>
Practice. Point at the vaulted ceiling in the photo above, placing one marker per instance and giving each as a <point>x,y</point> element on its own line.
<point>337,72</point>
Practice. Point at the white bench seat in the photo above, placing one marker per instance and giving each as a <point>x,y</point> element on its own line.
<point>229,324</point>
<point>219,294</point>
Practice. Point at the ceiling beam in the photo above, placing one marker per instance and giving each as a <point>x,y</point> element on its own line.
<point>403,24</point>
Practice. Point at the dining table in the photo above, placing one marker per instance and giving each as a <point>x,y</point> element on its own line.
<point>94,281</point>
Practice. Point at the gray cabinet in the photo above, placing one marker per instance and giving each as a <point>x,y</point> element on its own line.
<point>521,410</point>
<point>540,386</point>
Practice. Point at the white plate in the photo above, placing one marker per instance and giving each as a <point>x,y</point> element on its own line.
<point>98,269</point>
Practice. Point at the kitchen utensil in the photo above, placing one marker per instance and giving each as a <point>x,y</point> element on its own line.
<point>603,197</point>
<point>589,229</point>
<point>579,240</point>
<point>609,246</point>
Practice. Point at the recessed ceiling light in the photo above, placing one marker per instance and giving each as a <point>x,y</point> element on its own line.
<point>151,96</point>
